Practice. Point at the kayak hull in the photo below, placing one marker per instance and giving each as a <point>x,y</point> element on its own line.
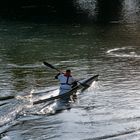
<point>83,84</point>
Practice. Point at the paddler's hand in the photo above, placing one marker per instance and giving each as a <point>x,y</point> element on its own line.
<point>74,84</point>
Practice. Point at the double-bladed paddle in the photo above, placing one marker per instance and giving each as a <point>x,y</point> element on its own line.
<point>51,66</point>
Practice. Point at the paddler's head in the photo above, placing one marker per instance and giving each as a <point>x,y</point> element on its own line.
<point>68,72</point>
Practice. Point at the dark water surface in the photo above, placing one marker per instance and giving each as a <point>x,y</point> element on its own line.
<point>108,110</point>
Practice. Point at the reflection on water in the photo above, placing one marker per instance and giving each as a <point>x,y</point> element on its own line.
<point>74,11</point>
<point>88,6</point>
<point>131,11</point>
<point>111,11</point>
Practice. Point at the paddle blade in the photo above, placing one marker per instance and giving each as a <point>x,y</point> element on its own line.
<point>50,66</point>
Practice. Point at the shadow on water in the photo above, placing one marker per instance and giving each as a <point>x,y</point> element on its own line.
<point>72,11</point>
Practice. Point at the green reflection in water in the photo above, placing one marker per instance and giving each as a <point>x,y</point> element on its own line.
<point>80,47</point>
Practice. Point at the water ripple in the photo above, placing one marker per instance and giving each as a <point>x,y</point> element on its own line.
<point>131,52</point>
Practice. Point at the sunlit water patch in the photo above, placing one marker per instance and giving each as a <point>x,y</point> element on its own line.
<point>10,111</point>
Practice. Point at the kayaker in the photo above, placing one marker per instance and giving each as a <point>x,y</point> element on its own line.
<point>66,81</point>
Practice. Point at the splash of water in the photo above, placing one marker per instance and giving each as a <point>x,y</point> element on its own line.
<point>93,86</point>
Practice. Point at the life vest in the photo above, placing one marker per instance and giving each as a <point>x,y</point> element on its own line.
<point>65,79</point>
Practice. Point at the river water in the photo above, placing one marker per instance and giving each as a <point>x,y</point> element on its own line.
<point>108,110</point>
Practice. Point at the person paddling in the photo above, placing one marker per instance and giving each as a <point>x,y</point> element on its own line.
<point>66,81</point>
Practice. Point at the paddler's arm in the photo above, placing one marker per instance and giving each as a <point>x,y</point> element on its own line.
<point>56,77</point>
